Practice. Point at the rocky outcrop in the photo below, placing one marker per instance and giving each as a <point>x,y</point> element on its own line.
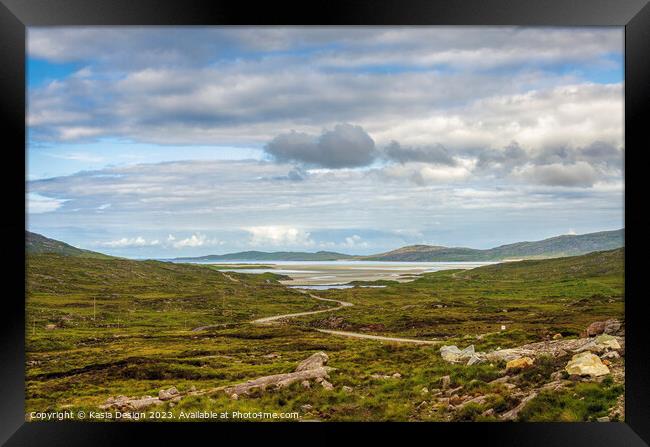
<point>519,364</point>
<point>317,360</point>
<point>312,368</point>
<point>124,403</point>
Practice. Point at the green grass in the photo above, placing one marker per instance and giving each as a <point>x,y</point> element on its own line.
<point>125,327</point>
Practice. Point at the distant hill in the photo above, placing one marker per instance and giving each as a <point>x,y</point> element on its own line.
<point>39,244</point>
<point>270,256</point>
<point>555,247</point>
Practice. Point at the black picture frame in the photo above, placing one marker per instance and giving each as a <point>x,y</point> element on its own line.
<point>16,15</point>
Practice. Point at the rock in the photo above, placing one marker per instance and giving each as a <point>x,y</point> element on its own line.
<point>234,396</point>
<point>192,389</point>
<point>450,353</point>
<point>519,364</point>
<point>328,386</point>
<point>396,376</point>
<point>305,384</point>
<point>488,412</point>
<point>607,341</point>
<point>508,354</point>
<point>167,394</point>
<point>50,327</point>
<point>602,419</point>
<point>279,380</point>
<point>557,336</point>
<point>272,355</point>
<point>306,407</point>
<point>610,355</point>
<point>445,381</point>
<point>476,359</point>
<point>176,399</point>
<point>610,326</point>
<point>317,360</point>
<point>586,364</point>
<point>421,404</point>
<point>347,389</point>
<point>606,362</point>
<point>557,375</point>
<point>424,390</point>
<point>512,414</point>
<point>455,400</point>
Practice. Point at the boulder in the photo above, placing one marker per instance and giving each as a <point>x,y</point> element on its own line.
<point>610,326</point>
<point>468,355</point>
<point>507,355</point>
<point>168,394</point>
<point>519,364</point>
<point>317,360</point>
<point>450,353</point>
<point>328,386</point>
<point>586,364</point>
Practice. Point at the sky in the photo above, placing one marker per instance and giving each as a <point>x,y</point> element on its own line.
<point>156,142</point>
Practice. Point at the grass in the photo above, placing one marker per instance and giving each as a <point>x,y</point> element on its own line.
<point>98,328</point>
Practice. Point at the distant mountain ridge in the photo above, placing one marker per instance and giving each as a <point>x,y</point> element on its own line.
<point>555,247</point>
<point>38,244</point>
<point>271,256</point>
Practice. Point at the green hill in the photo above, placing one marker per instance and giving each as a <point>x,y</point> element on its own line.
<point>39,244</point>
<point>555,247</point>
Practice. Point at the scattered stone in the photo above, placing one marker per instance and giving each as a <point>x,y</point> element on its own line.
<point>424,390</point>
<point>167,394</point>
<point>50,327</point>
<point>519,364</point>
<point>305,384</point>
<point>507,355</point>
<point>557,336</point>
<point>488,412</point>
<point>396,376</point>
<point>306,407</point>
<point>272,355</point>
<point>602,419</point>
<point>317,360</point>
<point>347,389</point>
<point>445,381</point>
<point>234,396</point>
<point>586,364</point>
<point>476,359</point>
<point>192,389</point>
<point>328,386</point>
<point>610,355</point>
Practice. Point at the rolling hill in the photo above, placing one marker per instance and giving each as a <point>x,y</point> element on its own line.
<point>38,244</point>
<point>555,247</point>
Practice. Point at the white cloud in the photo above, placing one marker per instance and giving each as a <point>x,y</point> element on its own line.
<point>37,203</point>
<point>278,235</point>
<point>125,242</point>
<point>195,240</point>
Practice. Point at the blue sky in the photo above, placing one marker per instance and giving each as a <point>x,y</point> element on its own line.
<point>160,142</point>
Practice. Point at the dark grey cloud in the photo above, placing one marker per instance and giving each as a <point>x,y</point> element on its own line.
<point>579,174</point>
<point>436,154</point>
<point>344,146</point>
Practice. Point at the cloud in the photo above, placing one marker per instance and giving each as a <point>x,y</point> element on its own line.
<point>436,154</point>
<point>424,174</point>
<point>195,240</point>
<point>125,242</point>
<point>279,236</point>
<point>37,203</point>
<point>580,174</point>
<point>354,241</point>
<point>344,146</point>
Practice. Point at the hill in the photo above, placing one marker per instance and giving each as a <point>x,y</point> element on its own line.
<point>269,256</point>
<point>555,247</point>
<point>39,244</point>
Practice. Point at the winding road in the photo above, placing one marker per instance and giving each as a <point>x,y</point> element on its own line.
<point>342,304</point>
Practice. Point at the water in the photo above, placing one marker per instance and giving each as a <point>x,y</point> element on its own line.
<point>320,275</point>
